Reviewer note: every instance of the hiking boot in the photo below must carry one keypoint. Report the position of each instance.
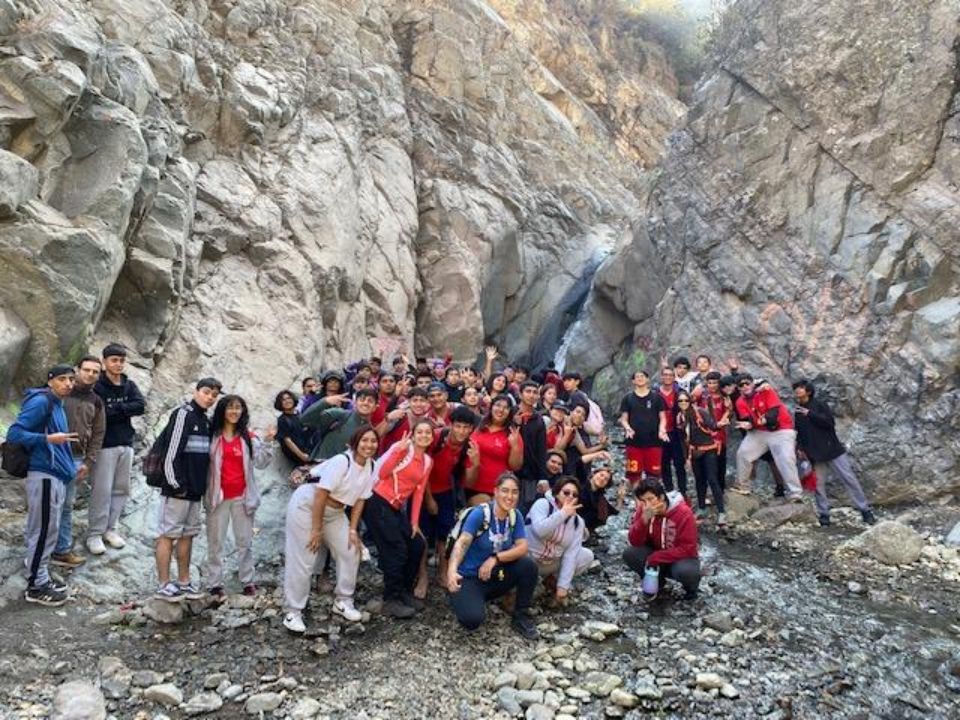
(113, 540)
(346, 610)
(868, 517)
(45, 595)
(524, 625)
(191, 591)
(398, 609)
(410, 600)
(171, 592)
(293, 621)
(824, 520)
(68, 559)
(95, 545)
(250, 589)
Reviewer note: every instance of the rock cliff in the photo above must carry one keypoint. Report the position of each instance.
(255, 188)
(806, 219)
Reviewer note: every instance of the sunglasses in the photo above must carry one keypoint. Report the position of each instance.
(683, 402)
(570, 493)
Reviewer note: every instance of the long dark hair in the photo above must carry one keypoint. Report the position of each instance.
(488, 417)
(220, 418)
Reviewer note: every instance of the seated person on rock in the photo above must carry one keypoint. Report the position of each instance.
(555, 536)
(489, 559)
(663, 535)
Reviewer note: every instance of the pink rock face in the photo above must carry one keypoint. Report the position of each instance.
(807, 219)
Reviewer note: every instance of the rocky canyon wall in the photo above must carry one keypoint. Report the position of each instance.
(806, 219)
(255, 188)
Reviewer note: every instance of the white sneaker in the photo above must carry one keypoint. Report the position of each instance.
(95, 545)
(114, 540)
(293, 621)
(346, 610)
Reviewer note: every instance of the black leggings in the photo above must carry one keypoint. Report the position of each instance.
(705, 472)
(469, 602)
(686, 571)
(397, 553)
(673, 455)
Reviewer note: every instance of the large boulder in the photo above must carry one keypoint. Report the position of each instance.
(78, 700)
(890, 542)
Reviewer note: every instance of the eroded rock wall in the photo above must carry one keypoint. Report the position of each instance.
(807, 220)
(254, 188)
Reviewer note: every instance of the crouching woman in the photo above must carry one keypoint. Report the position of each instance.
(489, 559)
(556, 537)
(663, 535)
(316, 521)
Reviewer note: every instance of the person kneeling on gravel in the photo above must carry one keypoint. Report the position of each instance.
(489, 559)
(556, 538)
(317, 522)
(663, 539)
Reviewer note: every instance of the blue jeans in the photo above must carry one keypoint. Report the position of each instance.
(65, 534)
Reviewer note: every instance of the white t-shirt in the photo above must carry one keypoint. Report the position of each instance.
(345, 484)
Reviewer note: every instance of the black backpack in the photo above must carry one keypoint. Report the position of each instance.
(16, 457)
(153, 460)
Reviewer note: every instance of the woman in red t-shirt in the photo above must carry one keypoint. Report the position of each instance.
(232, 494)
(500, 448)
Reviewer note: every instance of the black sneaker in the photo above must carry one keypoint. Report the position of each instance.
(690, 595)
(45, 595)
(868, 517)
(398, 609)
(525, 626)
(824, 520)
(58, 584)
(780, 491)
(411, 600)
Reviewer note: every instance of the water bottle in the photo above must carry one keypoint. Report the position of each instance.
(651, 581)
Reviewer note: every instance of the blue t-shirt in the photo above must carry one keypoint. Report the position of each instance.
(495, 539)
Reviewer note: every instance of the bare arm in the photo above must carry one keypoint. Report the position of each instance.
(298, 453)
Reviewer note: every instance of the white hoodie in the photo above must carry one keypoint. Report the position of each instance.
(553, 535)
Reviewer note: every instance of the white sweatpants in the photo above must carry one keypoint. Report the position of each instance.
(299, 562)
(782, 444)
(552, 567)
(229, 513)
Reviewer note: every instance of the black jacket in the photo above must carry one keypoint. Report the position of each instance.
(121, 402)
(534, 435)
(816, 433)
(187, 459)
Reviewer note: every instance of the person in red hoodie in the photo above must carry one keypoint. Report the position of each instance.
(769, 427)
(663, 534)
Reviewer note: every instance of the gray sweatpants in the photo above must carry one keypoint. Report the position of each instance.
(299, 561)
(109, 489)
(841, 468)
(782, 444)
(45, 495)
(227, 513)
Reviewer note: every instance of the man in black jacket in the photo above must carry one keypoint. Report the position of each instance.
(533, 431)
(185, 466)
(817, 440)
(110, 485)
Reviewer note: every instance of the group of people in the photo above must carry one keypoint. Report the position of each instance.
(501, 473)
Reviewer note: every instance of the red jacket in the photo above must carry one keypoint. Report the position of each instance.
(672, 536)
(765, 403)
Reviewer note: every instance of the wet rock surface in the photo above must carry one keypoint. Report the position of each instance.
(777, 633)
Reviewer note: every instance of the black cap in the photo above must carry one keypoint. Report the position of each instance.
(437, 387)
(61, 369)
(560, 405)
(114, 350)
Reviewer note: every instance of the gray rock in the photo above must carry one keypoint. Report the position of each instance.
(262, 702)
(539, 712)
(529, 697)
(305, 709)
(624, 699)
(709, 681)
(203, 703)
(507, 701)
(601, 684)
(146, 678)
(18, 183)
(953, 538)
(164, 694)
(646, 690)
(231, 692)
(889, 541)
(213, 680)
(719, 621)
(776, 515)
(729, 691)
(78, 700)
(504, 679)
(161, 611)
(740, 507)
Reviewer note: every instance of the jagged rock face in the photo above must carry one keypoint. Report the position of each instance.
(807, 218)
(254, 189)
